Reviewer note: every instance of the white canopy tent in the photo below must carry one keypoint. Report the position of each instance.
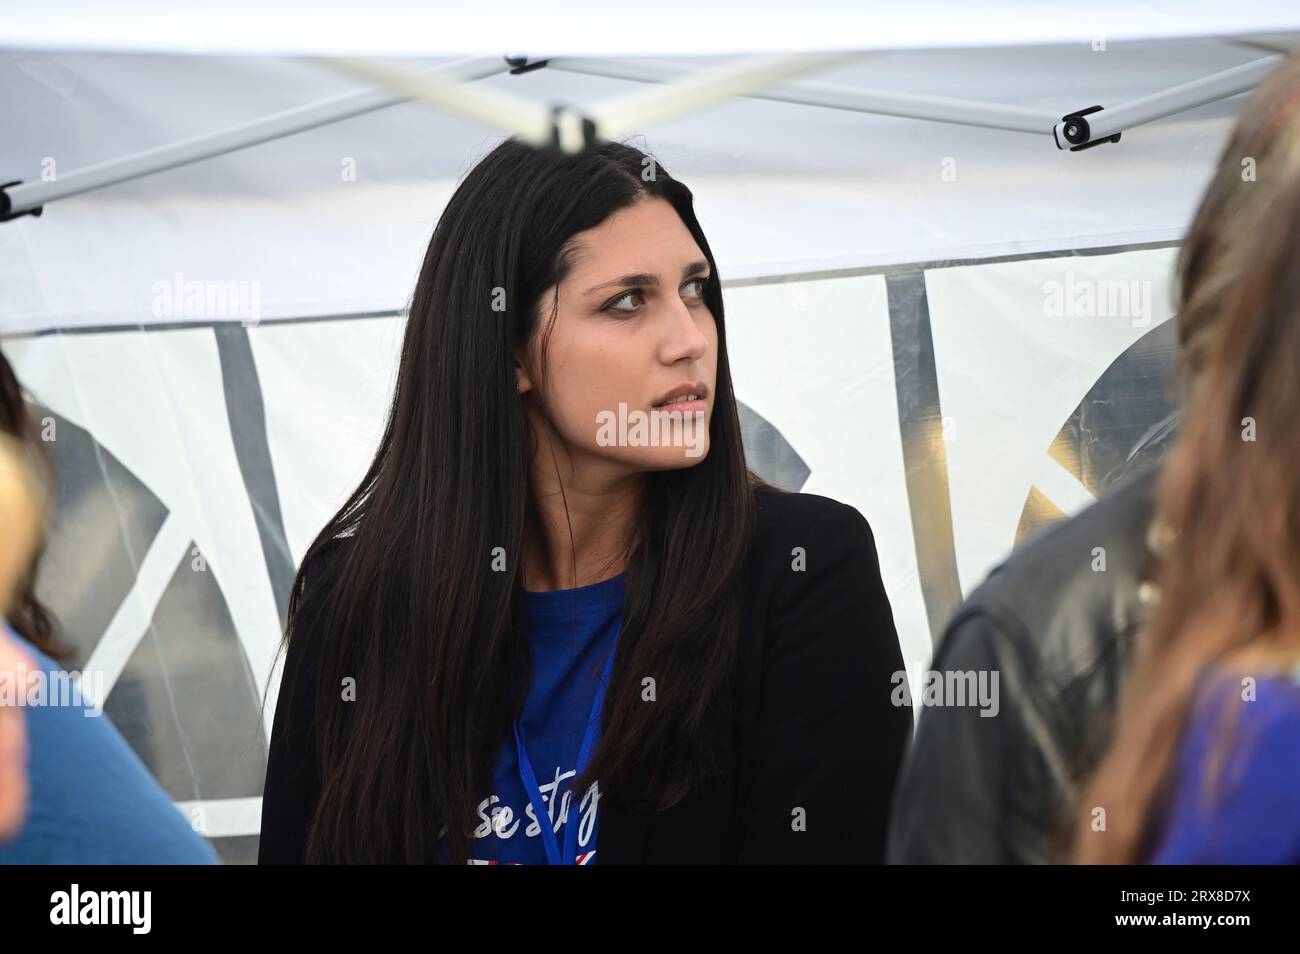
(227, 123)
(234, 207)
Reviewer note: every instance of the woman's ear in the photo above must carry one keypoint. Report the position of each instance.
(523, 382)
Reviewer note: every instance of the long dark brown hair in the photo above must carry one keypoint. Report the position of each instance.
(414, 611)
(28, 615)
(1229, 497)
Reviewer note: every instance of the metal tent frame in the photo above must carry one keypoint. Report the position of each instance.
(679, 90)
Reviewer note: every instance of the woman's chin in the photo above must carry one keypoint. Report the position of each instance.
(671, 458)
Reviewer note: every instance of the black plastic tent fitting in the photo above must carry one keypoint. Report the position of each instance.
(6, 204)
(520, 64)
(1077, 131)
(588, 128)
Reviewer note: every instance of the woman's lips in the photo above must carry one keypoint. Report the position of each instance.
(686, 407)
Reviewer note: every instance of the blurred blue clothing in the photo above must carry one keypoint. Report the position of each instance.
(92, 799)
(1252, 813)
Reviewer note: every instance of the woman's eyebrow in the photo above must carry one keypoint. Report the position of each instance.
(643, 278)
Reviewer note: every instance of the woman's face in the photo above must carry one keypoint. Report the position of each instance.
(14, 664)
(632, 332)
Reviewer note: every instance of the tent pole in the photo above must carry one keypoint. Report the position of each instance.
(611, 118)
(840, 96)
(29, 197)
(571, 128)
(524, 118)
(620, 115)
(1106, 123)
(564, 127)
(1103, 124)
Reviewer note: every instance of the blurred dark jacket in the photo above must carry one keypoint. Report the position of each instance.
(1060, 633)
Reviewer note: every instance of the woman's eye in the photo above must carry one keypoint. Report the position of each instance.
(622, 298)
(616, 306)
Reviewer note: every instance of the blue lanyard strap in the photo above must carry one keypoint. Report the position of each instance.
(534, 791)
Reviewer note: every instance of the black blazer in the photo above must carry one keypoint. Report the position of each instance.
(813, 725)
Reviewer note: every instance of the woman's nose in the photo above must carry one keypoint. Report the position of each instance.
(684, 338)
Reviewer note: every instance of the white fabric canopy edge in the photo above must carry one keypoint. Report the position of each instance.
(593, 27)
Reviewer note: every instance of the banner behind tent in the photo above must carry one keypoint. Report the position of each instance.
(959, 406)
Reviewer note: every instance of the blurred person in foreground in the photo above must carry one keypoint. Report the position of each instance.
(1061, 634)
(89, 799)
(1204, 762)
(19, 529)
(27, 615)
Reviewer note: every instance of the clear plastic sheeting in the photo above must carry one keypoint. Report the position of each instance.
(948, 402)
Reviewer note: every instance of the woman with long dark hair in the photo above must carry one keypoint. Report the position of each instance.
(559, 620)
(1204, 766)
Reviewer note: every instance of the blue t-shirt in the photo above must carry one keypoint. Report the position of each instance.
(1252, 814)
(92, 801)
(570, 633)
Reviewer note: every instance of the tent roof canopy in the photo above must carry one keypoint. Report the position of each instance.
(675, 91)
(598, 28)
(816, 173)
